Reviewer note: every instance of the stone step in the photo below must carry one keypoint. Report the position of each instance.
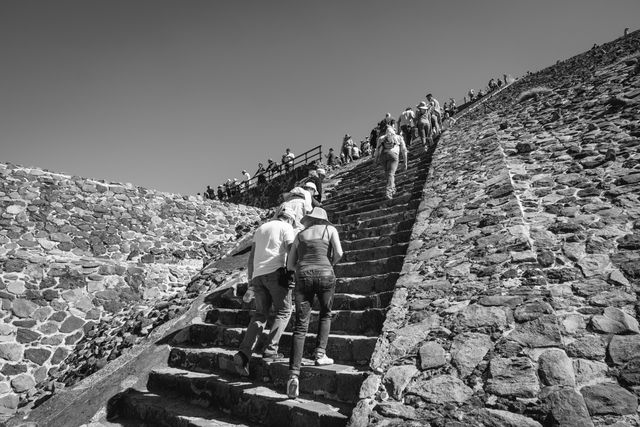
(143, 408)
(367, 268)
(256, 403)
(382, 230)
(405, 207)
(343, 300)
(335, 382)
(374, 253)
(347, 349)
(361, 302)
(376, 222)
(365, 172)
(376, 203)
(362, 172)
(355, 197)
(349, 322)
(373, 242)
(377, 283)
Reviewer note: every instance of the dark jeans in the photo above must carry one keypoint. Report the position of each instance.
(268, 291)
(407, 133)
(309, 284)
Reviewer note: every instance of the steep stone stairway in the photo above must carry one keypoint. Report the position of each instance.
(200, 386)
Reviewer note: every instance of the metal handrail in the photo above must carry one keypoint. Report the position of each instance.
(279, 169)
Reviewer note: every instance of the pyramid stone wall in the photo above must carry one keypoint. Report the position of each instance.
(518, 302)
(89, 267)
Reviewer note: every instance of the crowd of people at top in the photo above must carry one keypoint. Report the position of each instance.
(427, 119)
(232, 187)
(493, 85)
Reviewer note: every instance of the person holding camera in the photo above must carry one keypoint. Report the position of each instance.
(269, 280)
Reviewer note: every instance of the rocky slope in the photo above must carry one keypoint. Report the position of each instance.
(90, 267)
(517, 303)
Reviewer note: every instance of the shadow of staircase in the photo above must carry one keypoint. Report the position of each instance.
(199, 385)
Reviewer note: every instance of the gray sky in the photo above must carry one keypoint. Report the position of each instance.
(175, 95)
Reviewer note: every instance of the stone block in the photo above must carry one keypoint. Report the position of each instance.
(432, 355)
(615, 321)
(609, 398)
(624, 348)
(467, 350)
(22, 382)
(555, 368)
(479, 316)
(397, 378)
(23, 308)
(565, 407)
(441, 389)
(11, 351)
(589, 370)
(542, 332)
(512, 377)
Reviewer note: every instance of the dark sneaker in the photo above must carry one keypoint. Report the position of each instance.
(293, 387)
(272, 357)
(241, 364)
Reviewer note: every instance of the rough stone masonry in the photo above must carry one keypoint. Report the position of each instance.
(88, 268)
(518, 302)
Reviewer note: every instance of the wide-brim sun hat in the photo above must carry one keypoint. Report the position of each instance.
(311, 185)
(422, 105)
(286, 211)
(317, 215)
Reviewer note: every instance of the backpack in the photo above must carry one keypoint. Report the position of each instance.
(389, 144)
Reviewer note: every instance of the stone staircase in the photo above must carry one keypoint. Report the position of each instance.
(200, 386)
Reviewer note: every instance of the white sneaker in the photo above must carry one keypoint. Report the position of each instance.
(293, 387)
(323, 360)
(249, 295)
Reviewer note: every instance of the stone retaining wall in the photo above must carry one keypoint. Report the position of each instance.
(517, 303)
(89, 268)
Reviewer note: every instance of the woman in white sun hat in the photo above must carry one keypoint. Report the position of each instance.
(314, 252)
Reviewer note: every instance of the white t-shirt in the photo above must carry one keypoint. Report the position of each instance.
(271, 240)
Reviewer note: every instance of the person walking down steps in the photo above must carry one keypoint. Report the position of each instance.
(391, 150)
(268, 278)
(314, 252)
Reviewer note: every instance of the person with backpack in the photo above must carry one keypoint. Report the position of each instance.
(391, 150)
(423, 123)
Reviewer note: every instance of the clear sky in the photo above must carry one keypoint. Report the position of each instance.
(175, 95)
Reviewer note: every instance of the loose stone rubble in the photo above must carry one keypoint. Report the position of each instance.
(90, 267)
(525, 261)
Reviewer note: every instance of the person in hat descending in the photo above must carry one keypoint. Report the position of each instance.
(271, 243)
(314, 252)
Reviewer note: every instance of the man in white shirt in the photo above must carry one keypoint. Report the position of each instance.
(271, 243)
(406, 123)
